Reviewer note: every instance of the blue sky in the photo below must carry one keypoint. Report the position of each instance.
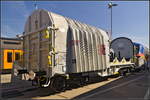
(130, 18)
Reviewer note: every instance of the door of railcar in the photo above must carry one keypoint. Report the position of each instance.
(8, 59)
(10, 56)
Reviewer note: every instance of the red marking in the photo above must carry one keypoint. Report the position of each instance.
(140, 55)
(101, 49)
(74, 42)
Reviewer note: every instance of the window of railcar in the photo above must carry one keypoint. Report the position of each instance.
(136, 49)
(17, 56)
(9, 57)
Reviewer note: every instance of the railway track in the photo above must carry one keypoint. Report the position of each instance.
(21, 88)
(26, 90)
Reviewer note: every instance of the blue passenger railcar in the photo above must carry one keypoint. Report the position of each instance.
(139, 50)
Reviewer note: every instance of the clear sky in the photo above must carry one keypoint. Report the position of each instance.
(130, 18)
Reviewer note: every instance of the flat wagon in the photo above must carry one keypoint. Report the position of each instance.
(131, 53)
(122, 57)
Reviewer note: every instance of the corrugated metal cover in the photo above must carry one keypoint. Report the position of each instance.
(80, 47)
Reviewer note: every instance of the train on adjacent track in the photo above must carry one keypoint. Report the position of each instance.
(10, 51)
(124, 49)
(57, 49)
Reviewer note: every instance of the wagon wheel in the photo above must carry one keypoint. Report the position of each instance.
(122, 73)
(42, 81)
(58, 83)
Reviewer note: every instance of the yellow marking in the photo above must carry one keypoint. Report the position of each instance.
(115, 61)
(49, 60)
(116, 73)
(47, 34)
(123, 60)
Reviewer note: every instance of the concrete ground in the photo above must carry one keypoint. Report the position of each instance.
(134, 86)
(16, 89)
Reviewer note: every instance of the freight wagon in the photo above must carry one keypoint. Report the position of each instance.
(122, 55)
(11, 50)
(131, 52)
(58, 49)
